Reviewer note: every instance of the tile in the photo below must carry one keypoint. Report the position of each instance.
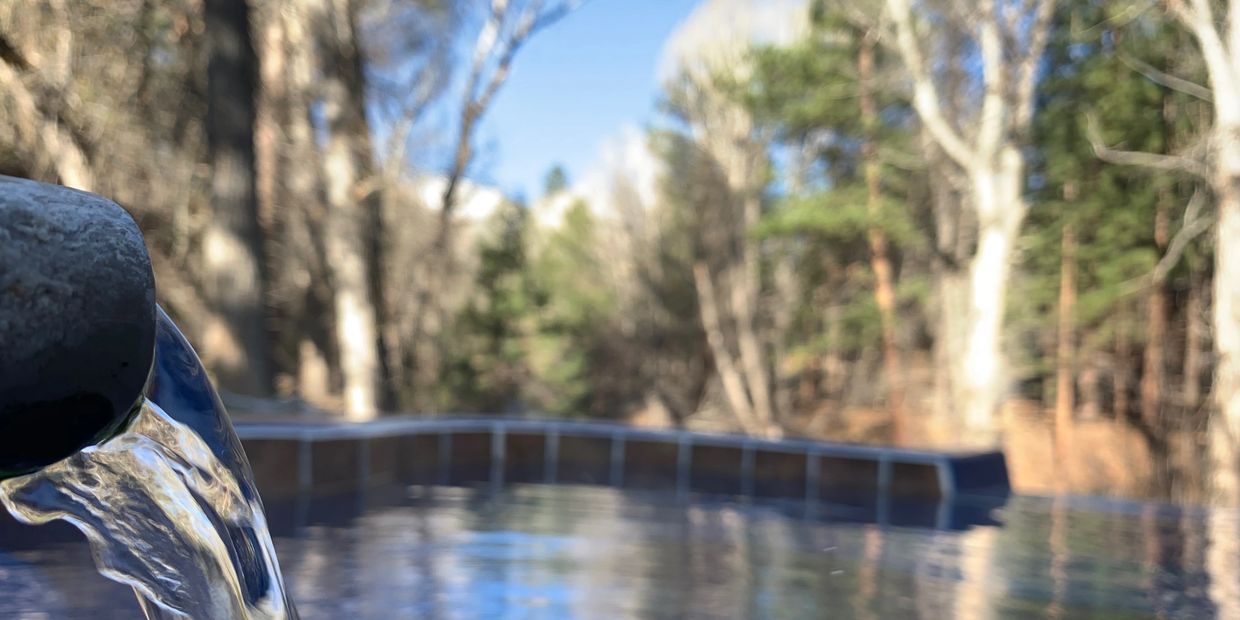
(584, 460)
(524, 457)
(838, 474)
(778, 474)
(650, 465)
(915, 480)
(418, 458)
(384, 455)
(335, 465)
(275, 464)
(471, 458)
(715, 470)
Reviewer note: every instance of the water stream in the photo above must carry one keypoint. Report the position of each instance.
(164, 516)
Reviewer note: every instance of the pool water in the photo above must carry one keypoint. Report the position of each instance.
(589, 552)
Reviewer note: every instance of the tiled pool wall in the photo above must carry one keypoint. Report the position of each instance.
(292, 459)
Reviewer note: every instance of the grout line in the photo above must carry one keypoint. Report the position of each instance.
(551, 455)
(617, 460)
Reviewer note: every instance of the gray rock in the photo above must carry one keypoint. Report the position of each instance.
(77, 320)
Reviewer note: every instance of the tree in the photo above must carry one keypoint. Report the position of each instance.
(719, 203)
(568, 352)
(1104, 225)
(489, 367)
(556, 181)
(798, 89)
(507, 27)
(1009, 41)
(236, 342)
(1221, 50)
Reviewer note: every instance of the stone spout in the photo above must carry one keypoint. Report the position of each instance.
(77, 322)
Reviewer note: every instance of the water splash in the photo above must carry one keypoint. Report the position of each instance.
(164, 516)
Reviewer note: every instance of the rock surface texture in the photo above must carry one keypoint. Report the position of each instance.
(77, 321)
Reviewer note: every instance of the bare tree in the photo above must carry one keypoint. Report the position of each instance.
(43, 116)
(348, 161)
(1009, 39)
(236, 342)
(508, 26)
(1220, 47)
(727, 269)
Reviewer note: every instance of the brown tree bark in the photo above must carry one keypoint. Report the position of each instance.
(1153, 372)
(1121, 377)
(880, 264)
(1194, 337)
(236, 345)
(318, 358)
(1065, 402)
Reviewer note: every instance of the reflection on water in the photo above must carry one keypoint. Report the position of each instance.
(575, 552)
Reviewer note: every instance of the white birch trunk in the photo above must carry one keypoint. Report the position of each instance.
(344, 241)
(355, 313)
(1000, 210)
(1225, 426)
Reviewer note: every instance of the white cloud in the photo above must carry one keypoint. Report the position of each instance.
(624, 156)
(717, 33)
(474, 202)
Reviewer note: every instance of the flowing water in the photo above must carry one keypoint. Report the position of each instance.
(164, 516)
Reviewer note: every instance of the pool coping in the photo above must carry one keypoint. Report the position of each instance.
(955, 472)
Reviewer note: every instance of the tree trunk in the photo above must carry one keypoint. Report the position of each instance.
(833, 361)
(346, 234)
(35, 111)
(1194, 336)
(1087, 384)
(272, 116)
(1065, 405)
(1225, 424)
(1153, 372)
(787, 294)
(951, 293)
(367, 191)
(1153, 366)
(884, 290)
(236, 342)
(744, 297)
(729, 375)
(1120, 377)
(1000, 208)
(1224, 427)
(305, 212)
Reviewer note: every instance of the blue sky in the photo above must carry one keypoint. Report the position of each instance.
(573, 85)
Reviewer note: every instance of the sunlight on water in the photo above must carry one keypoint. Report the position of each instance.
(164, 516)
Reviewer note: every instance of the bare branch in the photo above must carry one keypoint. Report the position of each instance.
(994, 82)
(43, 107)
(1171, 163)
(1194, 224)
(1161, 78)
(925, 95)
(1027, 78)
(1199, 18)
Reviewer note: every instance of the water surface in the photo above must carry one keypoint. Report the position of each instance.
(581, 552)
